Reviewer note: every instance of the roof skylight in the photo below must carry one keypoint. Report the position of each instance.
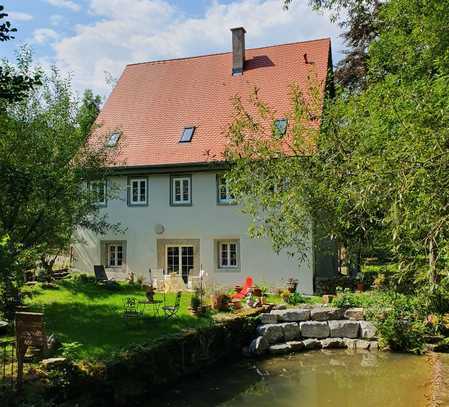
(187, 134)
(280, 127)
(113, 139)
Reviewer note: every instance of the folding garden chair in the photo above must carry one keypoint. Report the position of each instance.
(172, 310)
(131, 310)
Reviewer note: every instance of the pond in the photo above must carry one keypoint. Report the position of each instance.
(321, 378)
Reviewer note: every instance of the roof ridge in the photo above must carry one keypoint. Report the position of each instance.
(161, 61)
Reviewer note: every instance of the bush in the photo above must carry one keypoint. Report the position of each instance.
(83, 278)
(400, 320)
(294, 299)
(347, 299)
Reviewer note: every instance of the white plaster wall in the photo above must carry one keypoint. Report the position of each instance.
(204, 220)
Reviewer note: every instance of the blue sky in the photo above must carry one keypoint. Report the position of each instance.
(88, 38)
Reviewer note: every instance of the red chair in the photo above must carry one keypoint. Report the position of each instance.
(245, 290)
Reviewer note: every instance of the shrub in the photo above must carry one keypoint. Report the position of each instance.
(83, 278)
(400, 322)
(347, 299)
(70, 350)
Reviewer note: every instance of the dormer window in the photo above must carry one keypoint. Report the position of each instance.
(113, 139)
(280, 127)
(187, 134)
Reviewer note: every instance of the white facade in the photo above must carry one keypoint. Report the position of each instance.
(202, 225)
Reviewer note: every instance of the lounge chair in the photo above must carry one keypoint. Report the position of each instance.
(171, 310)
(101, 277)
(245, 290)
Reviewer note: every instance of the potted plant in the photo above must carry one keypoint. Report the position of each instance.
(220, 300)
(195, 304)
(256, 291)
(359, 284)
(292, 285)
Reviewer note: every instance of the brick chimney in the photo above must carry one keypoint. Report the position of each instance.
(238, 50)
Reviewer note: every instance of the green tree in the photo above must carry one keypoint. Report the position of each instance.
(45, 169)
(88, 112)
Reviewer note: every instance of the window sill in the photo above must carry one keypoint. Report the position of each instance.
(228, 270)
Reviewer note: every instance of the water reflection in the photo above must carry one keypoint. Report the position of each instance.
(327, 378)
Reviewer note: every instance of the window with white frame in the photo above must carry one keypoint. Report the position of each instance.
(138, 191)
(223, 190)
(98, 190)
(181, 190)
(115, 255)
(228, 254)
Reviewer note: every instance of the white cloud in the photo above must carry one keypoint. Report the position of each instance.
(141, 30)
(43, 35)
(56, 19)
(19, 16)
(71, 5)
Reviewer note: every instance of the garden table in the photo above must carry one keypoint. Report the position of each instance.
(156, 304)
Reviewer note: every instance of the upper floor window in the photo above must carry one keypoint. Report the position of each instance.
(280, 128)
(138, 194)
(187, 134)
(224, 195)
(228, 254)
(98, 190)
(181, 190)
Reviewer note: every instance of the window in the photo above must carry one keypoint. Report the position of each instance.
(115, 255)
(228, 254)
(113, 139)
(98, 190)
(138, 191)
(280, 127)
(181, 190)
(224, 195)
(187, 134)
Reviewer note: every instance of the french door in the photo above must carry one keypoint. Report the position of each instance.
(179, 259)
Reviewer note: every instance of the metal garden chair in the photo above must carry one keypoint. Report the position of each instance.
(131, 310)
(172, 310)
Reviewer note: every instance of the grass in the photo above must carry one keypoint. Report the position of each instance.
(91, 316)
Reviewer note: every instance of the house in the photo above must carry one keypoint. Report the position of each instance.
(169, 119)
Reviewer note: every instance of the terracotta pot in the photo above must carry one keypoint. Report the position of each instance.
(257, 292)
(360, 287)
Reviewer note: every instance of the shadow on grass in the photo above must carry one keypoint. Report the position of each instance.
(102, 331)
(96, 290)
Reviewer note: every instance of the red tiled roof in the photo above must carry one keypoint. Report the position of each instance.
(153, 101)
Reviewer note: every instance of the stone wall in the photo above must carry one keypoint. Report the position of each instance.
(284, 331)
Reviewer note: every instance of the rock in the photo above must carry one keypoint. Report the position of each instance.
(344, 329)
(373, 345)
(280, 349)
(367, 330)
(325, 313)
(273, 333)
(268, 318)
(314, 329)
(333, 343)
(292, 314)
(350, 343)
(355, 314)
(291, 330)
(362, 344)
(296, 346)
(310, 344)
(279, 307)
(259, 346)
(53, 363)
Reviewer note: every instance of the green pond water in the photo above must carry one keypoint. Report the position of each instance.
(337, 378)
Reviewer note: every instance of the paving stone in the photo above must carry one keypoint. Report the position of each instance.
(355, 314)
(280, 349)
(344, 329)
(291, 330)
(325, 313)
(292, 314)
(259, 346)
(296, 346)
(310, 344)
(333, 343)
(314, 329)
(268, 318)
(367, 330)
(273, 333)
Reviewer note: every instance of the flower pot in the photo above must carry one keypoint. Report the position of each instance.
(257, 292)
(360, 286)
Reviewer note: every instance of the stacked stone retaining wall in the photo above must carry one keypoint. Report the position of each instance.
(297, 329)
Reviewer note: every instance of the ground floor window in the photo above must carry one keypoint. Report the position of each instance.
(180, 260)
(115, 255)
(228, 254)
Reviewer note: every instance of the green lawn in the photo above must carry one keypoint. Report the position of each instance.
(92, 316)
